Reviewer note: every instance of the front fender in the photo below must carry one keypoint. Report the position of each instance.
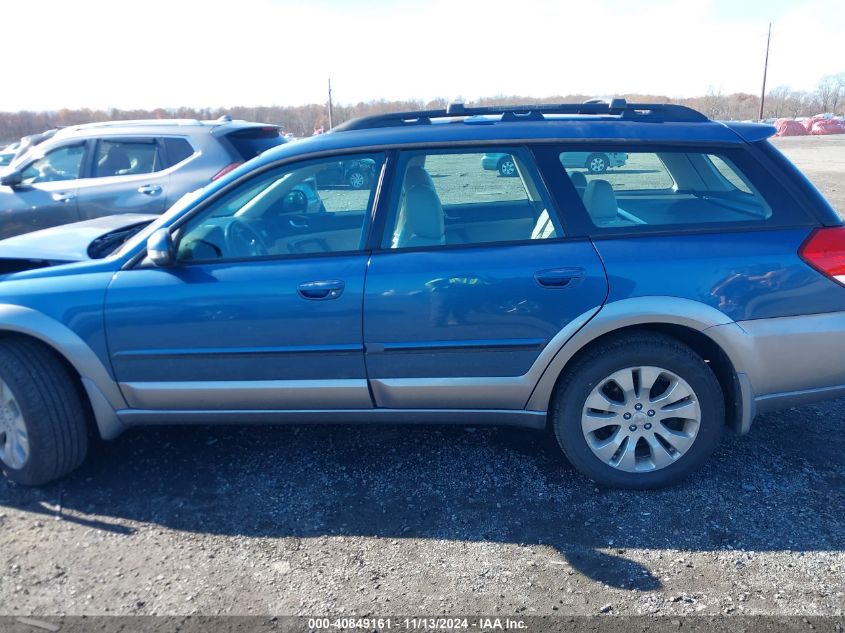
(103, 392)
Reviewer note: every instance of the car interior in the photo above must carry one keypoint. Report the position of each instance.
(704, 186)
(426, 218)
(283, 215)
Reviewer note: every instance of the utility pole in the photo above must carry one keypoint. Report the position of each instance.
(765, 71)
(330, 103)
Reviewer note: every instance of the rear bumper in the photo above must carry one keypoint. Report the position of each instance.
(491, 162)
(789, 361)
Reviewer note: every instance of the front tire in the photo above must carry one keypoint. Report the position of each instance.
(640, 411)
(43, 433)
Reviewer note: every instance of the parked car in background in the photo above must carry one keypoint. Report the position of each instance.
(635, 316)
(7, 154)
(355, 174)
(143, 166)
(25, 145)
(593, 162)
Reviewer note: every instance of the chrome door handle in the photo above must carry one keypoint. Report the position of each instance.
(298, 225)
(63, 196)
(317, 290)
(559, 277)
(150, 190)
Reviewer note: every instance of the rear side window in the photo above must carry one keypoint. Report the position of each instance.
(253, 141)
(631, 191)
(451, 198)
(126, 158)
(177, 150)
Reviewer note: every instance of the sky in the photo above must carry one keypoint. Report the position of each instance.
(170, 53)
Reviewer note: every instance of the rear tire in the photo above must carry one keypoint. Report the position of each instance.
(41, 404)
(356, 179)
(664, 417)
(597, 163)
(506, 167)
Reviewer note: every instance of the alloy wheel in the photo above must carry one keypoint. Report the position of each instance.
(14, 438)
(641, 419)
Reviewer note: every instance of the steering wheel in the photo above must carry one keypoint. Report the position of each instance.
(243, 241)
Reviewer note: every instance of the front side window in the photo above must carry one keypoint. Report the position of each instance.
(62, 163)
(636, 190)
(450, 198)
(126, 158)
(291, 211)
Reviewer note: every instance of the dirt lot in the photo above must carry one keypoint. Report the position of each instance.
(822, 159)
(407, 521)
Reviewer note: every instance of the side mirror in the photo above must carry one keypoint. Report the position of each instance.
(12, 179)
(160, 249)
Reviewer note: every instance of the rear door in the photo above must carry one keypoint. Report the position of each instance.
(475, 281)
(126, 175)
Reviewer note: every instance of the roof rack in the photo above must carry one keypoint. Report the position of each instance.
(652, 112)
(137, 122)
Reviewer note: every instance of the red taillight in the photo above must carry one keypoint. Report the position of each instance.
(226, 170)
(824, 250)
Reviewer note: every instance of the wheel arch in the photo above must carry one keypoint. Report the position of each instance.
(103, 395)
(707, 331)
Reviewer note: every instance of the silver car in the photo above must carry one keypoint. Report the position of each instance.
(98, 169)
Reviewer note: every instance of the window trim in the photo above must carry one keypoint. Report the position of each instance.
(389, 204)
(563, 189)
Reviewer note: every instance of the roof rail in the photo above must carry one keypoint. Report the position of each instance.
(137, 122)
(653, 112)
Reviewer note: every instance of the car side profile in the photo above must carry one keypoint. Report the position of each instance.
(593, 162)
(88, 171)
(636, 313)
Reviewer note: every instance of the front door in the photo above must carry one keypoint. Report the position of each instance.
(475, 282)
(47, 193)
(262, 310)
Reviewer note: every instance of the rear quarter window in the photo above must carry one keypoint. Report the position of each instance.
(177, 150)
(668, 187)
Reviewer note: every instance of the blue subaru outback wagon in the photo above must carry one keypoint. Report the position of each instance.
(636, 313)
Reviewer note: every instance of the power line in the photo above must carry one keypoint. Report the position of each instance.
(765, 72)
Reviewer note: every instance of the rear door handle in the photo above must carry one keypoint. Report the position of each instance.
(150, 190)
(63, 196)
(559, 277)
(317, 290)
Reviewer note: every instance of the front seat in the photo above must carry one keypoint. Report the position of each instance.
(416, 175)
(601, 203)
(423, 222)
(116, 160)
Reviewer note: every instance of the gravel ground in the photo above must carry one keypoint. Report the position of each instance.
(380, 520)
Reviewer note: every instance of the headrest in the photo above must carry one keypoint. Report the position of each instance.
(424, 213)
(600, 200)
(415, 176)
(578, 179)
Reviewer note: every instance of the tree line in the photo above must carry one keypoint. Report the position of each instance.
(303, 120)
